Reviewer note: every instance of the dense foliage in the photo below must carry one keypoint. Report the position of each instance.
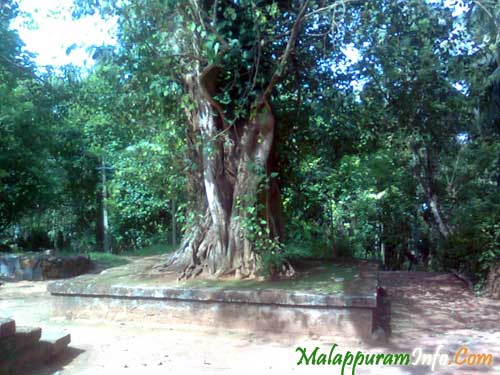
(387, 139)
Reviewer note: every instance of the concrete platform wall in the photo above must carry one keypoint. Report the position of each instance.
(323, 321)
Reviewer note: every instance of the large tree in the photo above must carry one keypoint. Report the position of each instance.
(26, 125)
(231, 130)
(228, 60)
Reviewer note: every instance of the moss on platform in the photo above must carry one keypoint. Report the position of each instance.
(329, 278)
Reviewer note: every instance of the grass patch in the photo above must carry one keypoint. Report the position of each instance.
(107, 260)
(298, 251)
(329, 278)
(158, 249)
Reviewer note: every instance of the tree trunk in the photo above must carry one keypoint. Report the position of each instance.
(174, 222)
(102, 227)
(105, 223)
(437, 214)
(235, 168)
(493, 281)
(424, 167)
(382, 244)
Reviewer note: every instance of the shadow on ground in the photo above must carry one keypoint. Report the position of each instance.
(57, 365)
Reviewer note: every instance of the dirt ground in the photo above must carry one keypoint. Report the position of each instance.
(427, 310)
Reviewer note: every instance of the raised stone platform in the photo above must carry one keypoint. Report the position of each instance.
(324, 300)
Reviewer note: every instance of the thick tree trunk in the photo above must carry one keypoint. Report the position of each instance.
(235, 165)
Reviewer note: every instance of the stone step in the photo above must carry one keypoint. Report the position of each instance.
(28, 357)
(24, 337)
(50, 345)
(7, 327)
(56, 341)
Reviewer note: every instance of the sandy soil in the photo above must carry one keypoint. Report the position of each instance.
(427, 310)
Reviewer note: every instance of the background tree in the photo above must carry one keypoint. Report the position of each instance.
(26, 153)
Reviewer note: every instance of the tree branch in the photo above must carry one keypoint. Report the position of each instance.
(329, 7)
(288, 50)
(488, 13)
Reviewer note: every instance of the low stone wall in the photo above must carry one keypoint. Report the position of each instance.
(259, 317)
(42, 267)
(118, 297)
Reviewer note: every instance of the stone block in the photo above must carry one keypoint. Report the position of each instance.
(7, 327)
(56, 341)
(23, 337)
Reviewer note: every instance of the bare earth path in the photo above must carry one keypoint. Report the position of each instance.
(427, 310)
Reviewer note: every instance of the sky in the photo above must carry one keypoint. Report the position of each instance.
(51, 31)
